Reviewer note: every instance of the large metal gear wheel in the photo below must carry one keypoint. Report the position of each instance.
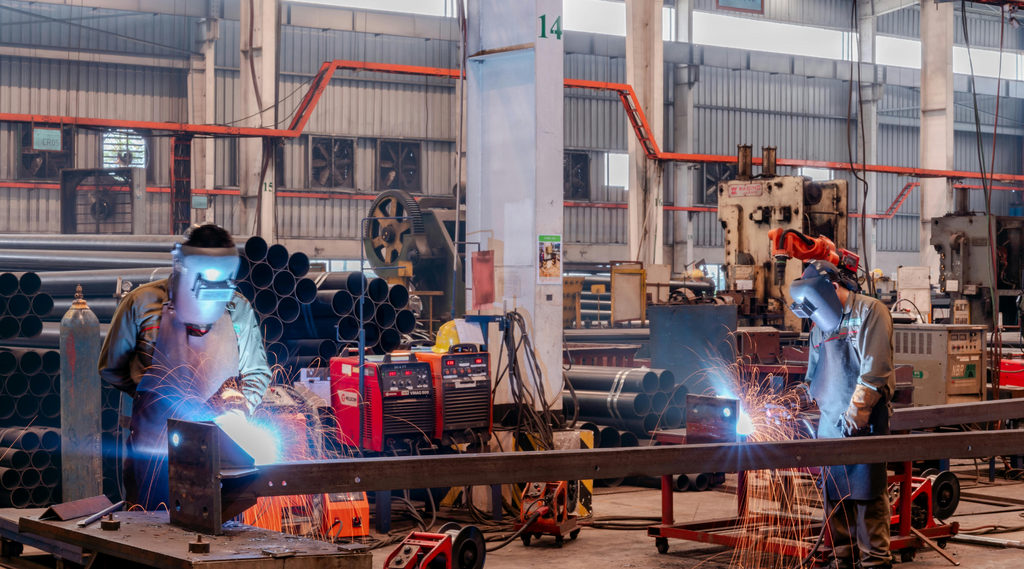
(385, 235)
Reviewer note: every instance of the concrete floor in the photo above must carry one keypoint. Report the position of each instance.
(597, 548)
(606, 548)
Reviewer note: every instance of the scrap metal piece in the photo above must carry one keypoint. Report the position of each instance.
(76, 508)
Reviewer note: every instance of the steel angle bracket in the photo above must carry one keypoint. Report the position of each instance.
(203, 463)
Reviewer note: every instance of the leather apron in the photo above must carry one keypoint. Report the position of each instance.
(186, 371)
(835, 379)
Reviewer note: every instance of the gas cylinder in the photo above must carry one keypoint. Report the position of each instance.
(81, 402)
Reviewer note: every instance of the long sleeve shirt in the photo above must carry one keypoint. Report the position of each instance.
(127, 351)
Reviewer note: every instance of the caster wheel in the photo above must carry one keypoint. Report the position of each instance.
(662, 544)
(907, 555)
(574, 534)
(526, 540)
(942, 543)
(559, 540)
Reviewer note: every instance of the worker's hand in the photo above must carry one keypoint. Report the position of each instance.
(859, 412)
(230, 400)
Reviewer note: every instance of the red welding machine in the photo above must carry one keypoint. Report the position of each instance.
(462, 391)
(397, 402)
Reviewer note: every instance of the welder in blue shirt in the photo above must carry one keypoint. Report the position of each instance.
(851, 376)
(186, 347)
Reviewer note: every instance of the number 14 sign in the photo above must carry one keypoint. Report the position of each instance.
(555, 29)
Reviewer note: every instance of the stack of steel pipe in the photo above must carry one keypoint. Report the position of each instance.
(30, 472)
(682, 482)
(637, 400)
(22, 305)
(350, 302)
(306, 321)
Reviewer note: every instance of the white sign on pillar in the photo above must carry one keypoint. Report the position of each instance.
(514, 149)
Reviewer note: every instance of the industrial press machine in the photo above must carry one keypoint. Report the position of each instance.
(748, 208)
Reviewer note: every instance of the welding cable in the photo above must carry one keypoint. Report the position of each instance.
(511, 538)
(415, 448)
(911, 302)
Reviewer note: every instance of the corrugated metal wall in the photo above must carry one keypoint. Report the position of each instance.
(802, 117)
(177, 32)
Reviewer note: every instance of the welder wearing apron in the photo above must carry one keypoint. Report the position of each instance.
(850, 374)
(176, 345)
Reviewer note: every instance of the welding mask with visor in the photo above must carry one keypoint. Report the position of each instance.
(815, 297)
(202, 282)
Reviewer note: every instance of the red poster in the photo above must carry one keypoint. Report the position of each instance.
(483, 279)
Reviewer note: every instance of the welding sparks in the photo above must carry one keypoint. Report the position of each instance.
(255, 439)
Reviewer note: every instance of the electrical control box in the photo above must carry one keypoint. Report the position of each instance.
(462, 390)
(396, 404)
(949, 361)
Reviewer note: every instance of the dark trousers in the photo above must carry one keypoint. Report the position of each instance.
(860, 523)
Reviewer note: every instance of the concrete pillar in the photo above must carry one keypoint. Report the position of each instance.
(936, 119)
(645, 71)
(259, 58)
(867, 136)
(514, 164)
(203, 91)
(684, 77)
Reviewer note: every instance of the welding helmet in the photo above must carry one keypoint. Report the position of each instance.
(447, 336)
(202, 280)
(814, 296)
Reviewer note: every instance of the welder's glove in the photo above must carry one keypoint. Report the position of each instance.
(859, 412)
(229, 400)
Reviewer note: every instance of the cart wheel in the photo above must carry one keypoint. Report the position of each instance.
(907, 555)
(574, 534)
(526, 540)
(942, 543)
(538, 535)
(662, 544)
(559, 540)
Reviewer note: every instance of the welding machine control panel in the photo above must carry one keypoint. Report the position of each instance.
(473, 365)
(405, 379)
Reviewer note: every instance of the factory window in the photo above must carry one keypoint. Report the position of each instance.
(576, 175)
(398, 165)
(42, 155)
(904, 52)
(122, 149)
(817, 174)
(331, 162)
(616, 170)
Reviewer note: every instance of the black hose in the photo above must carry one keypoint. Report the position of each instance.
(511, 538)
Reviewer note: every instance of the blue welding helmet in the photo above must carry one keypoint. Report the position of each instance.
(814, 296)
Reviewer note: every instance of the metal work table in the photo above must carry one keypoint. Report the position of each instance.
(148, 538)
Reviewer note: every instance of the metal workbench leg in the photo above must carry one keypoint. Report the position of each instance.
(667, 513)
(992, 469)
(382, 511)
(906, 498)
(496, 502)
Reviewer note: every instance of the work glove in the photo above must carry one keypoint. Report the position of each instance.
(859, 412)
(229, 399)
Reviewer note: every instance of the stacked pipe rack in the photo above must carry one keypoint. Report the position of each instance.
(30, 472)
(636, 400)
(306, 321)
